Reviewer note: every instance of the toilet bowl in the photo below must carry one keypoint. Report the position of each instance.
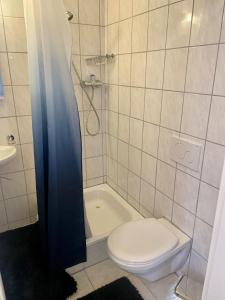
(150, 248)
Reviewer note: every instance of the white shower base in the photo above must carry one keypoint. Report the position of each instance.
(105, 210)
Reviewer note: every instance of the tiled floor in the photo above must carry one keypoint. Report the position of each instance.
(106, 272)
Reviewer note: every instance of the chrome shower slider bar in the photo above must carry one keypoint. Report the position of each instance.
(101, 59)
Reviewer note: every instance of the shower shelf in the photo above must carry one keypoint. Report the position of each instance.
(101, 59)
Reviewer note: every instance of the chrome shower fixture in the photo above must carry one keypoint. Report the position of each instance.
(70, 15)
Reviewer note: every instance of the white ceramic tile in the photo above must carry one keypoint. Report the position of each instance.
(8, 126)
(124, 69)
(125, 9)
(113, 11)
(76, 38)
(147, 196)
(163, 206)
(164, 152)
(134, 183)
(32, 200)
(135, 160)
(197, 268)
(93, 145)
(150, 138)
(19, 68)
(14, 185)
(112, 169)
(124, 100)
(157, 3)
(179, 24)
(201, 67)
(123, 153)
(124, 128)
(140, 286)
(122, 177)
(219, 88)
(171, 110)
(15, 34)
(83, 284)
(137, 103)
(89, 12)
(111, 147)
(157, 29)
(139, 33)
(5, 75)
(13, 8)
(28, 156)
(3, 218)
(183, 219)
(112, 101)
(175, 69)
(223, 31)
(195, 115)
(155, 69)
(202, 238)
(165, 179)
(194, 289)
(94, 167)
(17, 209)
(136, 127)
(90, 40)
(213, 164)
(2, 36)
(112, 38)
(206, 22)
(207, 203)
(25, 129)
(216, 129)
(22, 100)
(125, 36)
(113, 123)
(148, 168)
(30, 181)
(186, 191)
(138, 69)
(7, 108)
(140, 6)
(152, 111)
(1, 195)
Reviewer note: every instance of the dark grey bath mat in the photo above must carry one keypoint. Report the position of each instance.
(120, 289)
(23, 270)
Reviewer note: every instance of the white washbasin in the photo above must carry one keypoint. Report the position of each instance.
(6, 154)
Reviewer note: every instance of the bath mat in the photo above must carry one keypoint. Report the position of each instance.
(120, 289)
(23, 271)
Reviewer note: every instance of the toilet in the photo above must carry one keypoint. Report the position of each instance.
(150, 248)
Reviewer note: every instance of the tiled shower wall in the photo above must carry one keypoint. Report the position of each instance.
(17, 192)
(168, 79)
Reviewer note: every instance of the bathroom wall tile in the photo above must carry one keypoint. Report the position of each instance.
(111, 147)
(17, 209)
(112, 168)
(113, 11)
(124, 100)
(125, 9)
(113, 98)
(32, 201)
(2, 35)
(28, 156)
(207, 25)
(18, 62)
(157, 3)
(172, 103)
(155, 68)
(133, 202)
(12, 8)
(148, 168)
(125, 36)
(76, 38)
(93, 145)
(72, 5)
(136, 128)
(213, 164)
(157, 28)
(179, 24)
(7, 108)
(216, 129)
(147, 196)
(163, 206)
(113, 123)
(183, 219)
(3, 217)
(138, 67)
(140, 6)
(197, 267)
(94, 167)
(222, 38)
(25, 129)
(175, 69)
(137, 103)
(139, 33)
(124, 128)
(22, 100)
(186, 191)
(122, 177)
(85, 16)
(164, 152)
(1, 195)
(150, 138)
(15, 34)
(112, 38)
(135, 160)
(124, 69)
(152, 111)
(201, 68)
(90, 40)
(202, 238)
(30, 181)
(165, 179)
(123, 153)
(14, 185)
(5, 69)
(134, 183)
(207, 203)
(219, 88)
(8, 126)
(195, 115)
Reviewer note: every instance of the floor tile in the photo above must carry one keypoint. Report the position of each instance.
(143, 290)
(83, 284)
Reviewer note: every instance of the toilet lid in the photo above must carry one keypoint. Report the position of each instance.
(141, 241)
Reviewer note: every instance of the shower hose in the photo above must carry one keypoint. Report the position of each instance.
(91, 105)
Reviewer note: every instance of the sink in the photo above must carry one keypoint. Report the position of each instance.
(6, 154)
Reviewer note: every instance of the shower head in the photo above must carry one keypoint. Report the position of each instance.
(70, 15)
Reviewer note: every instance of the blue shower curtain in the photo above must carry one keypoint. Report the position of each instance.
(56, 130)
